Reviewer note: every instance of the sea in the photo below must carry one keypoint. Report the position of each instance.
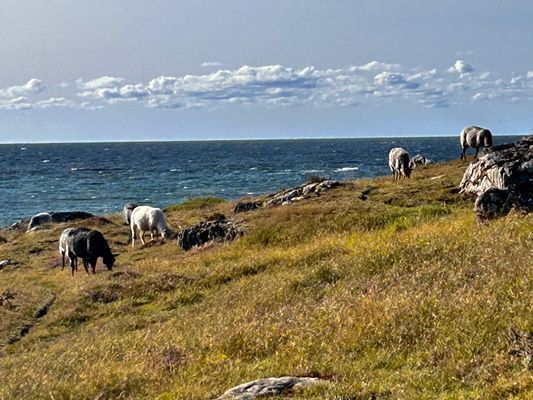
(101, 177)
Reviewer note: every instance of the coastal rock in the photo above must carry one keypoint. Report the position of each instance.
(418, 160)
(39, 219)
(245, 206)
(286, 197)
(66, 216)
(62, 216)
(502, 179)
(218, 230)
(268, 387)
(126, 212)
(492, 203)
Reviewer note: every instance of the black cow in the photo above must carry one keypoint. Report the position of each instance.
(88, 245)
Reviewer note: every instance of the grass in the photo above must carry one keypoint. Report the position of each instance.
(389, 290)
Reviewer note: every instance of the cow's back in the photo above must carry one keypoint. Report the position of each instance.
(97, 245)
(474, 136)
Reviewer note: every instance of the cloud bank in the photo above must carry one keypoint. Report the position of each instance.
(277, 86)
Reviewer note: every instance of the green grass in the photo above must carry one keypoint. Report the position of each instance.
(398, 294)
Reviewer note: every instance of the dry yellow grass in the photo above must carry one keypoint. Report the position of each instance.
(399, 295)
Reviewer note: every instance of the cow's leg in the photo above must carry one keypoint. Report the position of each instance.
(463, 154)
(142, 237)
(477, 151)
(132, 236)
(86, 266)
(73, 263)
(63, 260)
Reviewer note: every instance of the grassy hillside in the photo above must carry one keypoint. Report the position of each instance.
(389, 290)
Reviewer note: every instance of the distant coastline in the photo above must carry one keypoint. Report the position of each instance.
(255, 139)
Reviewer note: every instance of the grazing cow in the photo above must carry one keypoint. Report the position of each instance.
(88, 245)
(475, 137)
(148, 219)
(399, 163)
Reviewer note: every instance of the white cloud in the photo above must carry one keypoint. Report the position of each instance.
(210, 64)
(278, 86)
(18, 103)
(100, 83)
(162, 85)
(33, 86)
(461, 67)
(53, 102)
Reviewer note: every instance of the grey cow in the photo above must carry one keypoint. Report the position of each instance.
(475, 137)
(399, 163)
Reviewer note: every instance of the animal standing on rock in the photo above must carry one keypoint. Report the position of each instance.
(399, 163)
(475, 137)
(149, 219)
(88, 245)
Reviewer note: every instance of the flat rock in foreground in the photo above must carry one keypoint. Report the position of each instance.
(268, 387)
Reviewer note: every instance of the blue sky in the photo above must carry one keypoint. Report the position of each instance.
(171, 70)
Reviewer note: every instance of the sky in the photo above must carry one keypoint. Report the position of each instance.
(122, 70)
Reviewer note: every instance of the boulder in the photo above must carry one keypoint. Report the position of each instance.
(214, 230)
(66, 216)
(39, 219)
(302, 192)
(4, 263)
(502, 179)
(36, 222)
(126, 212)
(245, 206)
(492, 203)
(417, 160)
(268, 387)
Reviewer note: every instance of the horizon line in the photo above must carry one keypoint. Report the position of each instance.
(245, 139)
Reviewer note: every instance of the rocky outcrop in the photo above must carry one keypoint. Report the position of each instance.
(215, 230)
(299, 193)
(502, 179)
(40, 219)
(268, 387)
(245, 206)
(288, 196)
(418, 160)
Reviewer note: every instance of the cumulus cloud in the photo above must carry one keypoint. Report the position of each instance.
(33, 86)
(372, 83)
(54, 102)
(18, 103)
(100, 83)
(461, 67)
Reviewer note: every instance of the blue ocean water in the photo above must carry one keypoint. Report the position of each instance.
(101, 177)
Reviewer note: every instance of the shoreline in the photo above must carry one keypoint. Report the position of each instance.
(240, 140)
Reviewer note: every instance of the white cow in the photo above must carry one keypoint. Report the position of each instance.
(148, 219)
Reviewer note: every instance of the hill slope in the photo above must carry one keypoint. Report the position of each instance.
(386, 289)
